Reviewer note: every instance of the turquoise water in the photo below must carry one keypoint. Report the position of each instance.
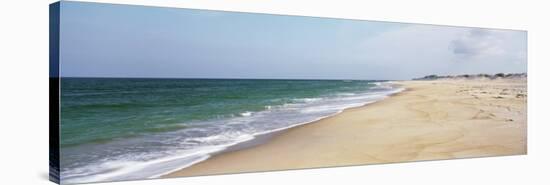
(108, 125)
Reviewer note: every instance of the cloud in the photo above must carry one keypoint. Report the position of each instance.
(478, 43)
(419, 50)
(410, 51)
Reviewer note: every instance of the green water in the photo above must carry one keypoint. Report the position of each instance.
(99, 110)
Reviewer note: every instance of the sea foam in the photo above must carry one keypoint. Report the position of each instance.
(152, 156)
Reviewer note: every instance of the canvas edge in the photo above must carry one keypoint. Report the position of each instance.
(54, 33)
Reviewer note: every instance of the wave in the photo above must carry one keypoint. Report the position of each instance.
(155, 155)
(246, 114)
(307, 100)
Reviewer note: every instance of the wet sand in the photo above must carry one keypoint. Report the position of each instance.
(430, 120)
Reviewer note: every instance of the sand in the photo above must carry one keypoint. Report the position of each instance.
(430, 120)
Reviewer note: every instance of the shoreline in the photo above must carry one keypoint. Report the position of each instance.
(339, 140)
(265, 137)
(295, 113)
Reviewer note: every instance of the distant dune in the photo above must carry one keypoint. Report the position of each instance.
(476, 76)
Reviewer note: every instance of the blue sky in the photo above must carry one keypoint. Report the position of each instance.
(103, 40)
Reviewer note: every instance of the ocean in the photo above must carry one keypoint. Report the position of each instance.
(132, 128)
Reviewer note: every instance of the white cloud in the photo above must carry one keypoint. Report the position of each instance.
(419, 50)
(483, 43)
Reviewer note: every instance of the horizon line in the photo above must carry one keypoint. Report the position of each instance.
(225, 78)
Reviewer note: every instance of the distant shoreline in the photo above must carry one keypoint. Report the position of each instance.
(475, 76)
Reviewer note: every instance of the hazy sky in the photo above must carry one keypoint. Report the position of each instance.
(101, 40)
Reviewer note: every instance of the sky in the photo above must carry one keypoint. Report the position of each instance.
(106, 40)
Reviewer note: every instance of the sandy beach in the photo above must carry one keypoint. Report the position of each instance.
(430, 120)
